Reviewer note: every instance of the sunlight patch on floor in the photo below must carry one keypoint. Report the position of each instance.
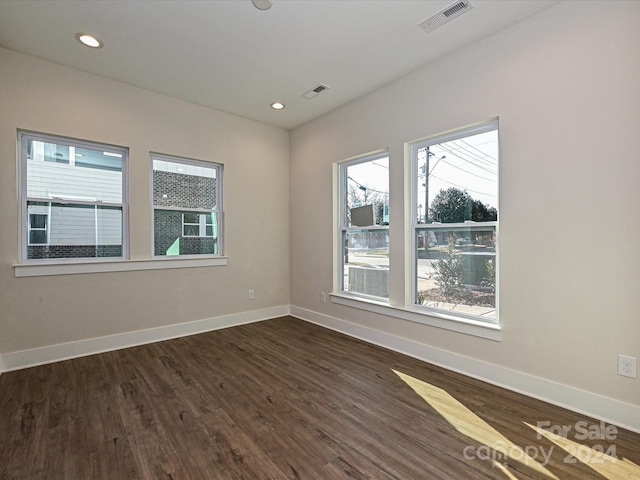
(609, 467)
(469, 424)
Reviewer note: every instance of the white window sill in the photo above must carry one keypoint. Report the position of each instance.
(101, 266)
(477, 328)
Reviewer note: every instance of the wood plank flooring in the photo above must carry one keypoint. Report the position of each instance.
(282, 399)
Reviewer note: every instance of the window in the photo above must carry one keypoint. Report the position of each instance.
(187, 210)
(73, 198)
(363, 227)
(197, 225)
(455, 219)
(37, 229)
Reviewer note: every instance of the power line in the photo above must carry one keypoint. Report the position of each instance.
(457, 153)
(368, 188)
(468, 172)
(464, 188)
(469, 153)
(476, 148)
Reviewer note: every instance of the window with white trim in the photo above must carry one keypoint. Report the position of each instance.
(197, 225)
(187, 199)
(72, 198)
(38, 229)
(455, 221)
(363, 230)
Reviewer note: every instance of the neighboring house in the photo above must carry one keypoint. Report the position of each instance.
(184, 232)
(75, 202)
(75, 206)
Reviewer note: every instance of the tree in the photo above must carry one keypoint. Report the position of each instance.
(456, 206)
(481, 212)
(449, 269)
(451, 206)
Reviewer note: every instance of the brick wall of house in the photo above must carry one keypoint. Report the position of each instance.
(189, 191)
(179, 190)
(170, 190)
(35, 252)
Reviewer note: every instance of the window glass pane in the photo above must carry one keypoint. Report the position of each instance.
(458, 180)
(37, 237)
(172, 236)
(367, 193)
(191, 230)
(366, 262)
(98, 160)
(68, 180)
(365, 251)
(76, 231)
(184, 185)
(185, 198)
(53, 153)
(456, 214)
(38, 221)
(456, 269)
(191, 218)
(74, 193)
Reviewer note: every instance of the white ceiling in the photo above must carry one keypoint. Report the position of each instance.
(230, 56)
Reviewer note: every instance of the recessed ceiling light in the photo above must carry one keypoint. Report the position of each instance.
(277, 105)
(262, 4)
(89, 40)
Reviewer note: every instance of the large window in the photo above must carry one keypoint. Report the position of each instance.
(187, 214)
(363, 227)
(73, 199)
(455, 218)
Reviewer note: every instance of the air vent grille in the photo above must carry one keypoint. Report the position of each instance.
(315, 91)
(445, 15)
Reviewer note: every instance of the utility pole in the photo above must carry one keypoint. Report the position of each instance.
(426, 187)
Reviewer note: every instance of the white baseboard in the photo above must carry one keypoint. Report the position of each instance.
(590, 404)
(593, 405)
(81, 348)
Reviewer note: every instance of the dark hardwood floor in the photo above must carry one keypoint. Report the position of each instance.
(283, 399)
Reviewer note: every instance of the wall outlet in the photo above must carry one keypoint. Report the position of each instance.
(627, 366)
(251, 295)
(323, 297)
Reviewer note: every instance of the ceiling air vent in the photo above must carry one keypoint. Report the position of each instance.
(314, 92)
(445, 15)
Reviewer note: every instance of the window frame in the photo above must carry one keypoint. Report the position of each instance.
(414, 226)
(342, 227)
(401, 304)
(31, 228)
(218, 210)
(23, 157)
(202, 225)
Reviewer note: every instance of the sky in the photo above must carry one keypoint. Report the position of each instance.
(469, 164)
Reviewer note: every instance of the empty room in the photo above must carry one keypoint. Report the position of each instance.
(318, 239)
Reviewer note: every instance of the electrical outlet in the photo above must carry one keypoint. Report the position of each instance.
(323, 297)
(627, 366)
(251, 295)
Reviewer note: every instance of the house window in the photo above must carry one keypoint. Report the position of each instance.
(187, 199)
(197, 225)
(455, 221)
(37, 229)
(71, 209)
(363, 231)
